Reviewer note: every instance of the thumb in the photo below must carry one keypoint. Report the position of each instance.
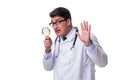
(47, 38)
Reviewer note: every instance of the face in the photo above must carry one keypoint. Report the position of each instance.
(60, 25)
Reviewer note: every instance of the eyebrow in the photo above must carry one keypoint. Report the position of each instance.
(57, 19)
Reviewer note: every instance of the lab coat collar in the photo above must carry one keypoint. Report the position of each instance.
(70, 36)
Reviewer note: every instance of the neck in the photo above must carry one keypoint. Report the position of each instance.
(68, 30)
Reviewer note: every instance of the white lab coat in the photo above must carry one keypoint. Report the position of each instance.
(77, 63)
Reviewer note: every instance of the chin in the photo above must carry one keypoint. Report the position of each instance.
(58, 34)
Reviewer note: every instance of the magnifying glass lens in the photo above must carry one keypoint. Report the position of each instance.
(46, 31)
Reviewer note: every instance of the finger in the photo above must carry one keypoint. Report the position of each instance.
(82, 27)
(78, 34)
(47, 43)
(89, 28)
(47, 38)
(86, 25)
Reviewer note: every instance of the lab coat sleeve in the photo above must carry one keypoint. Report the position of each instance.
(96, 53)
(48, 61)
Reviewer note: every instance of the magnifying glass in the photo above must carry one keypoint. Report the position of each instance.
(45, 31)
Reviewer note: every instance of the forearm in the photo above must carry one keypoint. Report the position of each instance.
(48, 61)
(96, 53)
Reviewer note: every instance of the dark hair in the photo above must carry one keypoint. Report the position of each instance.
(62, 12)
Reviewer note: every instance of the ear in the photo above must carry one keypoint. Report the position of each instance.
(68, 21)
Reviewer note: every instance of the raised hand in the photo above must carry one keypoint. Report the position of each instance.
(85, 33)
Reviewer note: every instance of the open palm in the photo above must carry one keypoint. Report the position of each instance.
(85, 33)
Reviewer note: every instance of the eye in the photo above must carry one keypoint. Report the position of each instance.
(59, 21)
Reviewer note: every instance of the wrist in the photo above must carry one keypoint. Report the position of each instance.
(89, 43)
(47, 50)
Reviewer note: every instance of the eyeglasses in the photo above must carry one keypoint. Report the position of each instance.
(57, 23)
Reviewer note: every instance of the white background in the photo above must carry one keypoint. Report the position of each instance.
(21, 40)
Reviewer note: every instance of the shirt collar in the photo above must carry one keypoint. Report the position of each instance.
(70, 35)
(71, 31)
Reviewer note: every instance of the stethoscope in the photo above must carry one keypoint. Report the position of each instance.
(58, 39)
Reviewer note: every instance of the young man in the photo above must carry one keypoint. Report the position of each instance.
(72, 56)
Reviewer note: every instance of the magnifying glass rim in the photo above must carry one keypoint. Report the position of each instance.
(47, 29)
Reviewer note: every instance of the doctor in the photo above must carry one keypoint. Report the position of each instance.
(74, 53)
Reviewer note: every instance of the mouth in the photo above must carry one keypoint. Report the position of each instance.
(57, 31)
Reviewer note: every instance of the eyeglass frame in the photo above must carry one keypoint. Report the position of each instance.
(57, 23)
